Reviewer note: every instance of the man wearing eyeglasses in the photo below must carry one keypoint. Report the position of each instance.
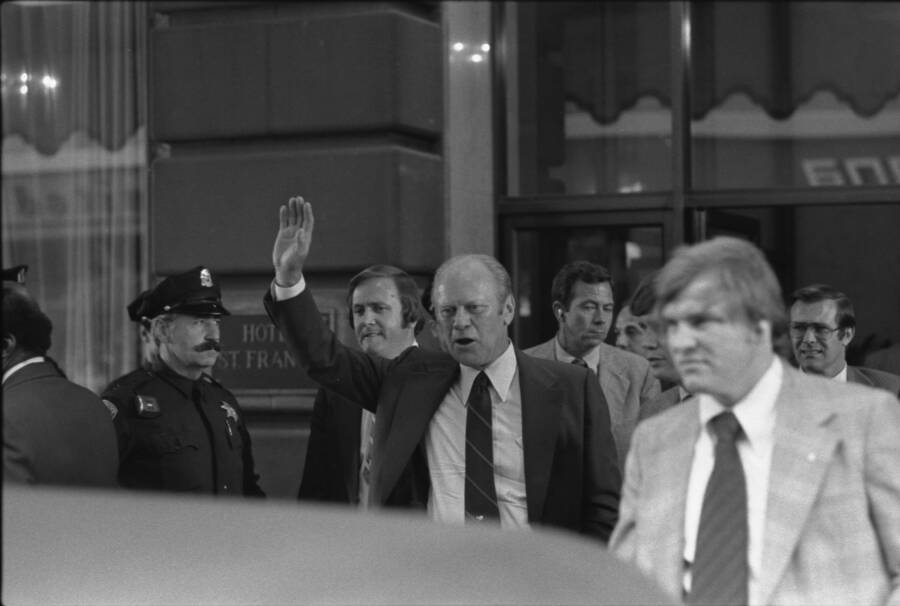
(822, 324)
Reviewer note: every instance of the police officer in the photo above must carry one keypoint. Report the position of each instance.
(179, 430)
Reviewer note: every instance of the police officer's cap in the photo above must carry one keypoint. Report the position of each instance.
(137, 309)
(194, 292)
(15, 274)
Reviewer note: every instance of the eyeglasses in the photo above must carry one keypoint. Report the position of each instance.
(798, 329)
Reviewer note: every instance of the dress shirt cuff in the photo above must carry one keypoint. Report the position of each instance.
(280, 293)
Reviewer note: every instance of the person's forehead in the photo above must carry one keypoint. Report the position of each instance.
(465, 282)
(645, 321)
(819, 311)
(599, 291)
(375, 290)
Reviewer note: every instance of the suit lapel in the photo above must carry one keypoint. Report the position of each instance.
(541, 406)
(855, 376)
(670, 475)
(803, 449)
(420, 396)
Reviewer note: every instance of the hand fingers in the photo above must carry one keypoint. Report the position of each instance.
(282, 217)
(308, 219)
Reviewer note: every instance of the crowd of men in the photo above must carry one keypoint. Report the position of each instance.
(694, 450)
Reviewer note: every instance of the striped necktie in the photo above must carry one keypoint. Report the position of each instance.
(481, 496)
(720, 572)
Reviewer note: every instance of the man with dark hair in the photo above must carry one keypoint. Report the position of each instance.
(386, 315)
(822, 325)
(645, 340)
(583, 304)
(179, 430)
(768, 486)
(479, 434)
(54, 431)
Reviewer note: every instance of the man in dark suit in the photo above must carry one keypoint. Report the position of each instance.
(386, 315)
(538, 451)
(54, 431)
(822, 325)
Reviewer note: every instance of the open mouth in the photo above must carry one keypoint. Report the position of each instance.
(464, 341)
(209, 346)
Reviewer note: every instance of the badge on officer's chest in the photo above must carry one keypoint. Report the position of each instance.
(147, 407)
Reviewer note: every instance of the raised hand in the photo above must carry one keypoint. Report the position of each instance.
(292, 242)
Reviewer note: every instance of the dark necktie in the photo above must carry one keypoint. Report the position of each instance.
(719, 573)
(580, 362)
(481, 496)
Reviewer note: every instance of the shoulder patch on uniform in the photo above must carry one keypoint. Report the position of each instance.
(230, 412)
(146, 406)
(113, 409)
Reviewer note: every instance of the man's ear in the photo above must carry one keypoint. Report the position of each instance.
(509, 309)
(9, 344)
(763, 328)
(847, 334)
(559, 311)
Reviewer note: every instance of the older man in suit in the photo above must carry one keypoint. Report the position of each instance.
(770, 486)
(479, 434)
(583, 306)
(822, 325)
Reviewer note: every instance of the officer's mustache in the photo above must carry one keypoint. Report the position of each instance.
(208, 345)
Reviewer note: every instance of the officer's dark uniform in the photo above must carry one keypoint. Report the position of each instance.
(176, 433)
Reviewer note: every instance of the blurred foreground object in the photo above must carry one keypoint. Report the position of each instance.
(75, 547)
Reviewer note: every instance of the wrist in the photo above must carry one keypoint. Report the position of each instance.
(287, 279)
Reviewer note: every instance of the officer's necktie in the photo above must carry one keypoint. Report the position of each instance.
(481, 496)
(719, 573)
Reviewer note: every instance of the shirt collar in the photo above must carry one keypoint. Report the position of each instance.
(755, 411)
(592, 358)
(21, 365)
(501, 373)
(841, 376)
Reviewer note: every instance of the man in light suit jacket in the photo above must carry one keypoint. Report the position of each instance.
(822, 325)
(583, 305)
(386, 314)
(819, 518)
(552, 460)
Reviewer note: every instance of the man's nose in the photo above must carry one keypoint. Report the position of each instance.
(368, 317)
(212, 329)
(679, 336)
(809, 335)
(461, 319)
